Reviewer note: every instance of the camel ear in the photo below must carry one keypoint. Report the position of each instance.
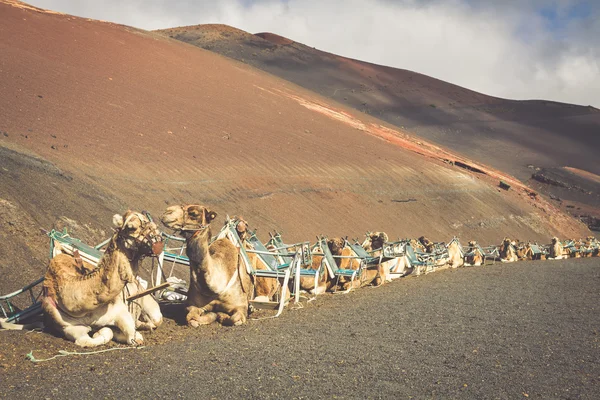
(117, 220)
(210, 215)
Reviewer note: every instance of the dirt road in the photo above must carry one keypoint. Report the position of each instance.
(520, 330)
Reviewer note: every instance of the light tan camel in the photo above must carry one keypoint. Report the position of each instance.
(474, 256)
(394, 268)
(456, 256)
(508, 253)
(78, 297)
(220, 287)
(557, 252)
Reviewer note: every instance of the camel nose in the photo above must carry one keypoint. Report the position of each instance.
(158, 247)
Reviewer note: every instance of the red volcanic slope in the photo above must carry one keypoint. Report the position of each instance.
(513, 136)
(99, 117)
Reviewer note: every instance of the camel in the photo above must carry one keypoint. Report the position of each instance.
(456, 256)
(369, 276)
(508, 253)
(220, 287)
(307, 283)
(265, 289)
(556, 250)
(395, 267)
(521, 249)
(474, 256)
(591, 246)
(427, 244)
(78, 297)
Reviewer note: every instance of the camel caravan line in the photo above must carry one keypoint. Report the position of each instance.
(92, 295)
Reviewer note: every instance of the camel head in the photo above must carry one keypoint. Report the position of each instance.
(241, 227)
(378, 239)
(138, 233)
(187, 218)
(336, 245)
(555, 240)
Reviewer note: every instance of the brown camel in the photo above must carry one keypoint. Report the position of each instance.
(508, 253)
(78, 297)
(265, 289)
(394, 268)
(557, 252)
(369, 276)
(474, 256)
(220, 287)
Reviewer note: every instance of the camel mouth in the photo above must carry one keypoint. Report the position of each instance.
(158, 247)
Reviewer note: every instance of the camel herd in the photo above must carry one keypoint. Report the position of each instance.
(90, 304)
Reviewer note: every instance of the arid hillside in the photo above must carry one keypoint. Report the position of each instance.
(519, 137)
(99, 117)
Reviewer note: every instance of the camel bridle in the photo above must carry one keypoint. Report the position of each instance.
(149, 236)
(197, 227)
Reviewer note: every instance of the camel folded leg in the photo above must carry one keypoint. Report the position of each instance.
(197, 316)
(80, 334)
(238, 317)
(126, 332)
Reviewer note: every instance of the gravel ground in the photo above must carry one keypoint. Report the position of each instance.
(523, 330)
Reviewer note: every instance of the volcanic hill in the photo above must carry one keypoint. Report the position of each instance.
(533, 140)
(99, 117)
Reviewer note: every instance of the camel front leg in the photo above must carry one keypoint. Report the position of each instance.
(126, 332)
(197, 316)
(237, 317)
(80, 334)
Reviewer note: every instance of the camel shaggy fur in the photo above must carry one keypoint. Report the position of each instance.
(557, 251)
(78, 297)
(508, 253)
(220, 287)
(474, 256)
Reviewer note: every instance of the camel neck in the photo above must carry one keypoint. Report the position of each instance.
(197, 247)
(115, 270)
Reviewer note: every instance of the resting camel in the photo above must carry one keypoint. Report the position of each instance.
(369, 276)
(78, 297)
(508, 253)
(521, 249)
(557, 251)
(395, 267)
(592, 246)
(307, 283)
(265, 289)
(474, 256)
(456, 256)
(220, 286)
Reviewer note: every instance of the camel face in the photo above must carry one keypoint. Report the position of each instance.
(336, 245)
(378, 239)
(241, 227)
(190, 217)
(138, 233)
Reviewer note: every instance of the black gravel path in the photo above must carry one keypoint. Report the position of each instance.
(523, 330)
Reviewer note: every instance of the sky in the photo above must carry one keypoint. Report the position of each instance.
(519, 49)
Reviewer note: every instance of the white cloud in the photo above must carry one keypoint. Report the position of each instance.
(503, 49)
